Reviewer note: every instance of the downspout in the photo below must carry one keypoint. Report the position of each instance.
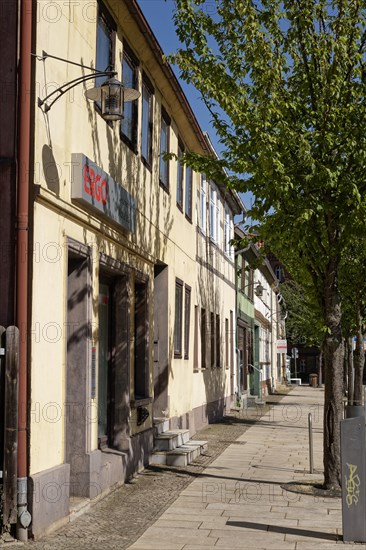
(22, 256)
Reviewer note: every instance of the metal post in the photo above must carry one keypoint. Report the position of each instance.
(295, 366)
(311, 447)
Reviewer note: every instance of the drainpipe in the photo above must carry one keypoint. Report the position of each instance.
(22, 256)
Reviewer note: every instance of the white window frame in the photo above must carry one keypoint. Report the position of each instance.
(227, 232)
(203, 205)
(214, 215)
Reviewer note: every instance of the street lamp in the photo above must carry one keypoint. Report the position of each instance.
(112, 94)
(259, 289)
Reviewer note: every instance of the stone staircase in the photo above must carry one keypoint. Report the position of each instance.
(253, 401)
(173, 447)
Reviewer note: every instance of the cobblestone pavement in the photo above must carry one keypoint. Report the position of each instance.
(119, 519)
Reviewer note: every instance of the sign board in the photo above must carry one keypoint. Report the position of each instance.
(295, 353)
(98, 191)
(281, 346)
(353, 479)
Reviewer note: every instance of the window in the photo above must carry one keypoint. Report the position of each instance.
(141, 341)
(129, 79)
(196, 336)
(228, 234)
(243, 283)
(187, 316)
(146, 123)
(231, 338)
(250, 292)
(189, 193)
(212, 338)
(227, 343)
(203, 204)
(279, 272)
(164, 148)
(218, 341)
(178, 318)
(214, 215)
(105, 44)
(203, 338)
(180, 177)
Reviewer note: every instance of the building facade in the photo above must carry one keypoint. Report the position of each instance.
(131, 286)
(260, 324)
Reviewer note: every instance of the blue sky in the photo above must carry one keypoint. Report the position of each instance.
(159, 14)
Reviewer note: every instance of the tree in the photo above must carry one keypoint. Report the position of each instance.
(353, 289)
(285, 82)
(303, 325)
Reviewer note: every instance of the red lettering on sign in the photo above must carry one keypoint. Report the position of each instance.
(92, 185)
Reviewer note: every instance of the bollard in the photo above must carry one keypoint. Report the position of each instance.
(311, 448)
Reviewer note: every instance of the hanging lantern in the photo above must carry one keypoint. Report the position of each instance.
(112, 99)
(259, 290)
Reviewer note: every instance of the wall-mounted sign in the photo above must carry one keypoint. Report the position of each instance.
(281, 346)
(98, 191)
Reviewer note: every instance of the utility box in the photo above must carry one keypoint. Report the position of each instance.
(353, 479)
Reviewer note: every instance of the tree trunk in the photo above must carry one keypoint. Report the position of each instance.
(333, 363)
(350, 385)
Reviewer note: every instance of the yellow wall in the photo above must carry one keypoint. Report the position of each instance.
(162, 230)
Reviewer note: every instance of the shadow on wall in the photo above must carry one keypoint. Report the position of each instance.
(214, 376)
(50, 170)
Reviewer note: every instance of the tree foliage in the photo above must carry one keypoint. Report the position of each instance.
(303, 321)
(285, 82)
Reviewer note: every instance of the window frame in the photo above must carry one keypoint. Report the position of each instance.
(218, 340)
(203, 204)
(178, 319)
(228, 233)
(188, 193)
(243, 276)
(214, 214)
(110, 23)
(212, 339)
(166, 120)
(141, 344)
(203, 338)
(130, 58)
(180, 176)
(147, 86)
(187, 319)
(227, 335)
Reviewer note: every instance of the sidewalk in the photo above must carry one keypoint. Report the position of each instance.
(241, 499)
(240, 495)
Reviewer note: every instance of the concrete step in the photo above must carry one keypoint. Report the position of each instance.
(183, 455)
(168, 441)
(161, 425)
(254, 401)
(180, 456)
(202, 444)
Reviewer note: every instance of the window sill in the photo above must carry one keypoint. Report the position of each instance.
(130, 144)
(189, 218)
(146, 164)
(141, 402)
(108, 450)
(164, 187)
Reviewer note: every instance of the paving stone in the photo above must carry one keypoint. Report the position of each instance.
(234, 496)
